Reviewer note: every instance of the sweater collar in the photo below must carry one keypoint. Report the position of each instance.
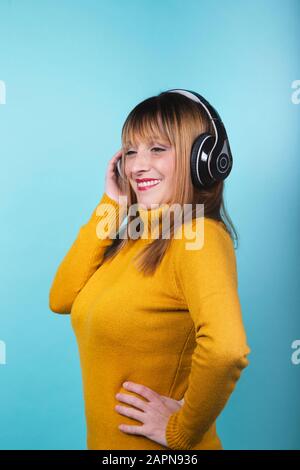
(152, 219)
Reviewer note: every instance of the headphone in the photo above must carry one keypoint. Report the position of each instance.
(211, 158)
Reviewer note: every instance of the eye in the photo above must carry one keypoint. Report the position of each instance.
(154, 148)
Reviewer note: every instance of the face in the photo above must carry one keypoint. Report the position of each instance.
(154, 162)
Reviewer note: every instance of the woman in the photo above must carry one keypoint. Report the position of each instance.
(151, 310)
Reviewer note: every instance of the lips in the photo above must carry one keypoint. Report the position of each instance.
(147, 183)
(142, 180)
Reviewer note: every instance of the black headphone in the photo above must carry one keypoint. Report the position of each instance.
(211, 158)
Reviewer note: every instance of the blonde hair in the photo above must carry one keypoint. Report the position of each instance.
(178, 120)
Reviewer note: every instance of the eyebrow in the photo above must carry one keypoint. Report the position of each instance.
(151, 142)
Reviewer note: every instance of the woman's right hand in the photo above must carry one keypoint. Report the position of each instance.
(112, 187)
(171, 404)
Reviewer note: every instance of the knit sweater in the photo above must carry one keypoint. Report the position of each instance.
(179, 332)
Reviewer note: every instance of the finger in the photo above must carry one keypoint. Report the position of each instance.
(165, 398)
(117, 155)
(169, 398)
(142, 390)
(131, 413)
(132, 400)
(132, 429)
(113, 161)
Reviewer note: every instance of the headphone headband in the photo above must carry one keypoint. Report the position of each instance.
(217, 162)
(211, 111)
(220, 131)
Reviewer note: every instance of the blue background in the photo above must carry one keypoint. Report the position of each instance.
(73, 70)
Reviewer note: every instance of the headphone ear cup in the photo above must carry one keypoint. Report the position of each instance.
(119, 165)
(201, 149)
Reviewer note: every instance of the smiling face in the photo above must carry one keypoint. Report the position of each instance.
(150, 169)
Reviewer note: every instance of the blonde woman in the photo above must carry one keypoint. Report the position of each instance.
(157, 318)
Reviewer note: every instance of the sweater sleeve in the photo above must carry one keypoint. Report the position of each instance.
(207, 279)
(86, 254)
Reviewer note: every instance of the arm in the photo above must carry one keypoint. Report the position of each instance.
(85, 255)
(207, 278)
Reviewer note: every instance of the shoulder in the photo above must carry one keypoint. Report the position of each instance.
(204, 246)
(202, 234)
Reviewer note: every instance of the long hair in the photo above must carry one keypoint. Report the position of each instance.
(179, 120)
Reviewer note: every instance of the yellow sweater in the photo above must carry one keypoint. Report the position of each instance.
(179, 332)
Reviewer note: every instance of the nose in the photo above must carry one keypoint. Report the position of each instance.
(140, 162)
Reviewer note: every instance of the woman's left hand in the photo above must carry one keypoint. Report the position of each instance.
(154, 412)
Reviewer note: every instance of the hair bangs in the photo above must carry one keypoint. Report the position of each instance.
(145, 124)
